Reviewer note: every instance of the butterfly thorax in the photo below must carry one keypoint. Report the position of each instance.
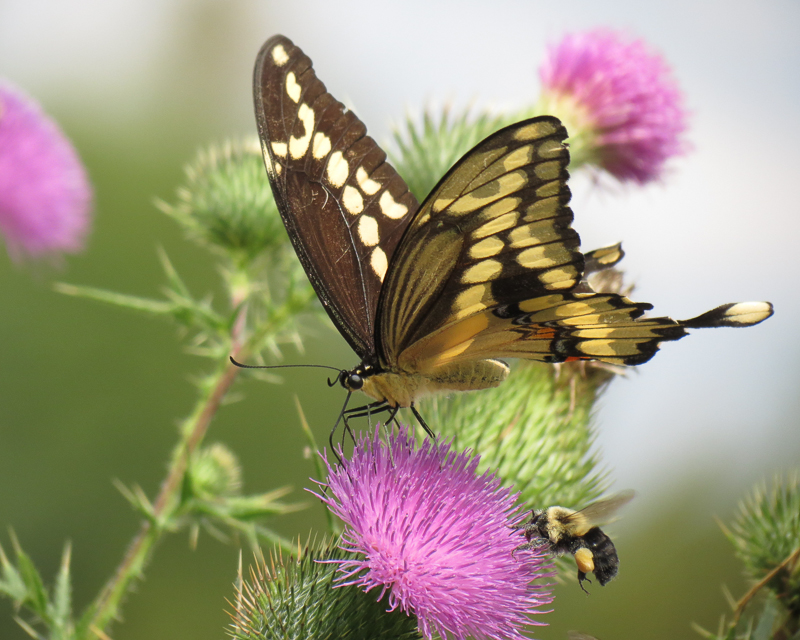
(400, 388)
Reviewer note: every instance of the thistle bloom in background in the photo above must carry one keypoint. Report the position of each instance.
(436, 536)
(618, 100)
(45, 195)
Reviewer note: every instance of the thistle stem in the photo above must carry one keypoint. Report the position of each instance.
(106, 607)
(107, 604)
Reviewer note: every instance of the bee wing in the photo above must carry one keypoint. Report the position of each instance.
(602, 511)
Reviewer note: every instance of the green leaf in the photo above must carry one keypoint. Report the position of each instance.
(11, 582)
(61, 608)
(36, 597)
(147, 305)
(767, 621)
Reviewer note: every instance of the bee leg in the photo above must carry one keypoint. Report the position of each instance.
(536, 543)
(581, 578)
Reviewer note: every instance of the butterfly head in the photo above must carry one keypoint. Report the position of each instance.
(354, 379)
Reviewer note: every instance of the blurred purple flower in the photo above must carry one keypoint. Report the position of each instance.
(437, 537)
(45, 196)
(621, 96)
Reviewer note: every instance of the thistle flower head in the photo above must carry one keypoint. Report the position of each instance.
(618, 100)
(437, 537)
(45, 196)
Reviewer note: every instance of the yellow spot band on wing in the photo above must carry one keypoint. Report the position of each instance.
(352, 200)
(500, 223)
(279, 149)
(321, 146)
(298, 146)
(487, 248)
(279, 55)
(535, 131)
(379, 263)
(490, 192)
(390, 208)
(292, 88)
(368, 185)
(338, 169)
(482, 271)
(368, 231)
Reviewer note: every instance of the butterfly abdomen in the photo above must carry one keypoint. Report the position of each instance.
(401, 389)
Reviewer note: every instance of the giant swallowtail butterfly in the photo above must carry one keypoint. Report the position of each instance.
(431, 296)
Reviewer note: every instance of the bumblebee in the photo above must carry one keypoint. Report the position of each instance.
(578, 532)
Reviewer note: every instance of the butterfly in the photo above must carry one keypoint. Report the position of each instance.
(432, 296)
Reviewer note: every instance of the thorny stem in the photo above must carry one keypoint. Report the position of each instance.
(105, 608)
(139, 550)
(743, 602)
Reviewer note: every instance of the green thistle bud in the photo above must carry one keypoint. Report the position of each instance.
(215, 472)
(766, 535)
(533, 430)
(428, 149)
(297, 598)
(227, 202)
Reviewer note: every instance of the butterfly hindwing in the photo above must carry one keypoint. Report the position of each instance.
(344, 206)
(490, 268)
(551, 328)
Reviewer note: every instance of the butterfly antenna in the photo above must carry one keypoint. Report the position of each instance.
(285, 366)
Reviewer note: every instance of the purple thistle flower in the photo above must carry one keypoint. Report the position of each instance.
(436, 536)
(45, 196)
(620, 99)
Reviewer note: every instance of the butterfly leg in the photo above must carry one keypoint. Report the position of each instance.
(336, 424)
(422, 422)
(345, 415)
(366, 411)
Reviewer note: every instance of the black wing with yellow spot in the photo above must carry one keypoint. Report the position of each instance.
(344, 206)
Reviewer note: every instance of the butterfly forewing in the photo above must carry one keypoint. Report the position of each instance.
(344, 206)
(495, 230)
